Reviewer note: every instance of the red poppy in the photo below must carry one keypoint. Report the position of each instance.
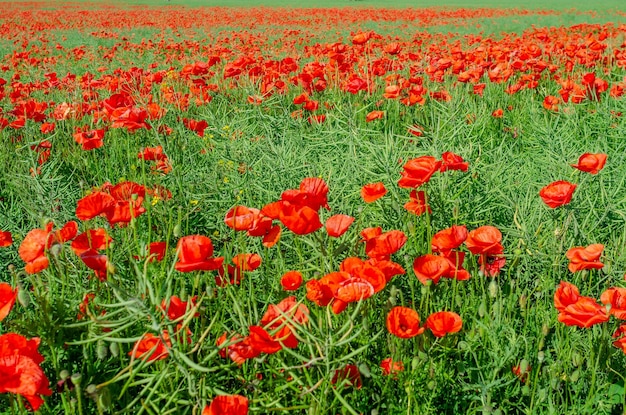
(5, 239)
(291, 280)
(93, 205)
(451, 161)
(281, 319)
(418, 171)
(443, 322)
(195, 253)
(354, 289)
(385, 244)
(497, 113)
(557, 194)
(389, 367)
(404, 322)
(240, 218)
(338, 224)
(448, 239)
(96, 239)
(551, 103)
(430, 268)
(582, 258)
(456, 270)
(19, 366)
(151, 347)
(260, 340)
(7, 298)
(197, 126)
(373, 191)
(300, 220)
(97, 262)
(347, 376)
(565, 294)
(417, 203)
(89, 139)
(584, 313)
(521, 371)
(485, 240)
(33, 248)
(591, 163)
(490, 265)
(156, 251)
(374, 115)
(227, 404)
(176, 308)
(616, 298)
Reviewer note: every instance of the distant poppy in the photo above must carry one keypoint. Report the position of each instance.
(443, 322)
(557, 194)
(373, 191)
(89, 139)
(374, 115)
(582, 258)
(338, 224)
(485, 240)
(227, 404)
(5, 239)
(8, 295)
(616, 298)
(349, 375)
(497, 113)
(430, 268)
(591, 163)
(451, 161)
(551, 103)
(195, 253)
(403, 322)
(390, 367)
(291, 280)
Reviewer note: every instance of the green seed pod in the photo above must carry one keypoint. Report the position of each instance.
(102, 350)
(76, 378)
(114, 348)
(64, 374)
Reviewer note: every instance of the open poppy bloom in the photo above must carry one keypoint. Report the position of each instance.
(338, 224)
(33, 248)
(582, 258)
(584, 313)
(227, 404)
(443, 322)
(451, 161)
(374, 115)
(430, 268)
(176, 308)
(349, 375)
(616, 298)
(485, 240)
(417, 204)
(291, 280)
(418, 171)
(557, 194)
(404, 322)
(390, 367)
(19, 366)
(383, 245)
(195, 253)
(89, 139)
(373, 191)
(7, 299)
(591, 163)
(448, 239)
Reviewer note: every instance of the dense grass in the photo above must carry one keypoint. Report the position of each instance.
(249, 154)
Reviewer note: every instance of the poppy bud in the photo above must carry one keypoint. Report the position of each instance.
(101, 350)
(104, 399)
(114, 348)
(493, 289)
(55, 250)
(23, 297)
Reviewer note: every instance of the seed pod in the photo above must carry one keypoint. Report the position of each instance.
(102, 350)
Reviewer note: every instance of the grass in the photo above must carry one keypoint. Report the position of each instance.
(250, 154)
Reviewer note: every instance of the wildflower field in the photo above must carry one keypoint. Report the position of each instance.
(349, 210)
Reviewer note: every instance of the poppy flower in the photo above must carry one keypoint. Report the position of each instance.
(418, 171)
(5, 239)
(33, 248)
(227, 404)
(20, 365)
(373, 191)
(338, 224)
(551, 103)
(582, 258)
(300, 220)
(485, 240)
(385, 244)
(389, 367)
(584, 313)
(349, 375)
(97, 262)
(430, 268)
(260, 340)
(281, 319)
(616, 297)
(417, 203)
(89, 139)
(239, 218)
(521, 371)
(94, 204)
(8, 296)
(353, 290)
(195, 253)
(451, 161)
(151, 347)
(557, 194)
(448, 239)
(374, 115)
(456, 270)
(291, 280)
(490, 265)
(565, 294)
(176, 308)
(497, 113)
(96, 239)
(443, 322)
(591, 163)
(403, 322)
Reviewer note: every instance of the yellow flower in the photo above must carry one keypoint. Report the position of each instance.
(193, 202)
(155, 200)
